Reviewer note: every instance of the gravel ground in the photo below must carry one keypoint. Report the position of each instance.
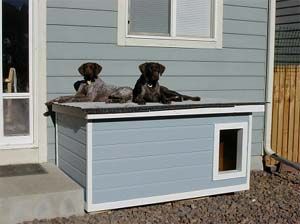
(273, 198)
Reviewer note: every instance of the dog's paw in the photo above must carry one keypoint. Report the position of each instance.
(196, 98)
(141, 102)
(166, 101)
(109, 101)
(123, 101)
(178, 99)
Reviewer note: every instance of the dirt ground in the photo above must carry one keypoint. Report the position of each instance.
(273, 198)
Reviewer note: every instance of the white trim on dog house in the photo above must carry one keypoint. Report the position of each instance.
(242, 151)
(236, 109)
(164, 198)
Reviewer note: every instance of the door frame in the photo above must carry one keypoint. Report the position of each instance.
(36, 152)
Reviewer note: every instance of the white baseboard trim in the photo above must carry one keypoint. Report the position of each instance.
(163, 198)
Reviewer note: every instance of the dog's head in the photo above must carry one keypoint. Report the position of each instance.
(90, 71)
(151, 71)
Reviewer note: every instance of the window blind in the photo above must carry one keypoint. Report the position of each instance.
(194, 18)
(150, 17)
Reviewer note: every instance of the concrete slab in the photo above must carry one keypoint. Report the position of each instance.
(41, 196)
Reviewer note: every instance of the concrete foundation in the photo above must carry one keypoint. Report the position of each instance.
(42, 196)
(257, 163)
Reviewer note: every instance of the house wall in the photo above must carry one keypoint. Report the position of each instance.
(80, 31)
(287, 44)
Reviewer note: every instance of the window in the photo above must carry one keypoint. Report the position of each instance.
(170, 23)
(230, 150)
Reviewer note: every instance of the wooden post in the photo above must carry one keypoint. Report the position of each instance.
(275, 111)
(280, 111)
(286, 109)
(291, 112)
(297, 117)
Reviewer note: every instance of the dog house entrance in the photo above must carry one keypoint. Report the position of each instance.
(228, 149)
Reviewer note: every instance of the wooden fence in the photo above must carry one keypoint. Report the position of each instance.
(286, 112)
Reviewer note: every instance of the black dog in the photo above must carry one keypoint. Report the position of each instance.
(147, 88)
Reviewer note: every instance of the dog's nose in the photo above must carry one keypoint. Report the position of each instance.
(155, 75)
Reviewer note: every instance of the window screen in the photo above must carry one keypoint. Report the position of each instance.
(150, 17)
(194, 18)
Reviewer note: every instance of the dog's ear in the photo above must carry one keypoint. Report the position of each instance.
(142, 68)
(162, 69)
(97, 68)
(81, 69)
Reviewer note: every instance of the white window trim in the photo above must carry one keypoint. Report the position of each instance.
(242, 170)
(124, 39)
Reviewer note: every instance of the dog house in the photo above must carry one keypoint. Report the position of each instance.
(126, 155)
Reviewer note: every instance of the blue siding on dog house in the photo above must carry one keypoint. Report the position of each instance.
(140, 159)
(124, 159)
(72, 147)
(80, 31)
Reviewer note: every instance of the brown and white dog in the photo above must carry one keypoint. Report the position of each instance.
(147, 88)
(93, 89)
(97, 90)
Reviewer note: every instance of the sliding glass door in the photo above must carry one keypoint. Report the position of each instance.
(16, 110)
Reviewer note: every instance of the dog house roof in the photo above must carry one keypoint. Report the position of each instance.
(83, 109)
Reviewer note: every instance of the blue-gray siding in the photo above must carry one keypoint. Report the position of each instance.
(80, 31)
(72, 147)
(135, 159)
